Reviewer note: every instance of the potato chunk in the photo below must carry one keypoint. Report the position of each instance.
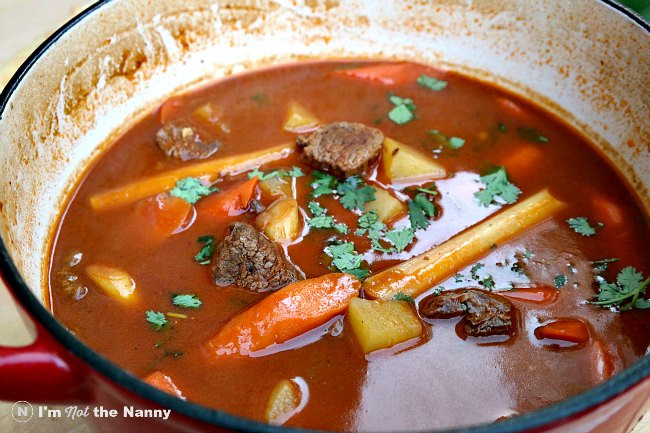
(113, 281)
(386, 206)
(281, 220)
(276, 187)
(403, 163)
(283, 402)
(382, 324)
(299, 119)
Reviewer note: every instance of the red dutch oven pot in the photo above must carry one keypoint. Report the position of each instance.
(128, 55)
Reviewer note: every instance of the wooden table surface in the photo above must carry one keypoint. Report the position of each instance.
(23, 25)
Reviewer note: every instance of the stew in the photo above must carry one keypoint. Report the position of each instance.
(356, 246)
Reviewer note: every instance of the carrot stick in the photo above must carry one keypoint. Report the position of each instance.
(384, 73)
(571, 330)
(608, 211)
(165, 181)
(522, 160)
(422, 272)
(230, 202)
(163, 382)
(285, 314)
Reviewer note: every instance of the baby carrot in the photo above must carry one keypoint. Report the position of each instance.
(159, 380)
(285, 314)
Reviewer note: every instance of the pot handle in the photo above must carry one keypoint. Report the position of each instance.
(42, 372)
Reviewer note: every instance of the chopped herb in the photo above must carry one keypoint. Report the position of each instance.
(259, 97)
(529, 254)
(531, 134)
(399, 296)
(502, 127)
(404, 109)
(451, 142)
(488, 282)
(400, 238)
(456, 143)
(353, 195)
(431, 83)
(156, 319)
(323, 221)
(474, 270)
(191, 189)
(323, 184)
(205, 255)
(560, 281)
(458, 278)
(438, 290)
(581, 226)
(186, 301)
(626, 293)
(346, 259)
(293, 172)
(369, 222)
(419, 208)
(497, 189)
(600, 266)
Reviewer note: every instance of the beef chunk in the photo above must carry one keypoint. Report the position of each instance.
(248, 259)
(342, 148)
(485, 313)
(185, 142)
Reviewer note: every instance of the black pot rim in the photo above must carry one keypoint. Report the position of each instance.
(548, 416)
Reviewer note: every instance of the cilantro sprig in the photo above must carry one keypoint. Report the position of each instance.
(191, 189)
(419, 209)
(205, 254)
(156, 319)
(321, 220)
(454, 143)
(498, 189)
(186, 301)
(399, 238)
(323, 184)
(403, 111)
(346, 259)
(582, 226)
(400, 296)
(355, 193)
(624, 294)
(431, 83)
(293, 172)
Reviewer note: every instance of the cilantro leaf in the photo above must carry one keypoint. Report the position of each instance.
(186, 301)
(626, 293)
(560, 281)
(399, 296)
(323, 184)
(353, 195)
(419, 208)
(531, 134)
(458, 278)
(400, 238)
(401, 115)
(581, 226)
(157, 320)
(346, 259)
(431, 83)
(404, 110)
(205, 254)
(474, 270)
(323, 221)
(497, 189)
(369, 222)
(456, 142)
(294, 172)
(488, 282)
(191, 189)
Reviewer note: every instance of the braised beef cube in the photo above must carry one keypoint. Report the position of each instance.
(342, 148)
(185, 142)
(247, 259)
(485, 313)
